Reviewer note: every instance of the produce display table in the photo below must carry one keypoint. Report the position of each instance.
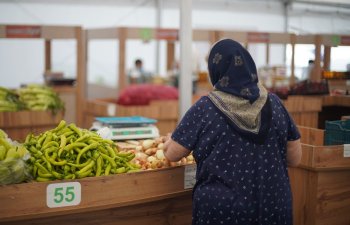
(320, 184)
(147, 197)
(19, 124)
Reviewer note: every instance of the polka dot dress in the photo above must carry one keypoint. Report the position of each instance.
(238, 181)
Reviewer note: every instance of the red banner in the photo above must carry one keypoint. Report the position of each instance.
(18, 31)
(258, 37)
(167, 34)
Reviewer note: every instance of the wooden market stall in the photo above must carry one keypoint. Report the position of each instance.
(151, 197)
(73, 96)
(327, 42)
(166, 112)
(320, 184)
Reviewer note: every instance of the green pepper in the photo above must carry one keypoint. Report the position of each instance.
(99, 162)
(75, 129)
(42, 179)
(60, 126)
(79, 165)
(121, 170)
(41, 167)
(85, 149)
(50, 144)
(85, 174)
(57, 175)
(111, 152)
(108, 169)
(109, 159)
(44, 175)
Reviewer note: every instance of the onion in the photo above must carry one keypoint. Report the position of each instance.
(160, 146)
(141, 156)
(160, 154)
(146, 144)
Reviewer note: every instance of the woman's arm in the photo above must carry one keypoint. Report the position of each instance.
(173, 151)
(293, 153)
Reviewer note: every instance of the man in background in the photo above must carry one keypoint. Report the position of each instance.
(138, 75)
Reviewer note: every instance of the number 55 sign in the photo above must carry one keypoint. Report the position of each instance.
(63, 194)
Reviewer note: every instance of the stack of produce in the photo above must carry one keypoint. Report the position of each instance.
(13, 168)
(40, 98)
(149, 154)
(68, 152)
(9, 101)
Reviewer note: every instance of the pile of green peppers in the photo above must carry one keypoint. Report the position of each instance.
(68, 152)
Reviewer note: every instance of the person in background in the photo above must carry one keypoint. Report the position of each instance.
(242, 139)
(309, 70)
(138, 75)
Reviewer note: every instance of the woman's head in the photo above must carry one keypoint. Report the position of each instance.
(232, 70)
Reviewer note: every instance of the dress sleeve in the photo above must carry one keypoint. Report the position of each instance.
(190, 127)
(293, 132)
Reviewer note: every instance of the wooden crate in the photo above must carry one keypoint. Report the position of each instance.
(320, 185)
(304, 109)
(164, 111)
(311, 136)
(19, 124)
(150, 197)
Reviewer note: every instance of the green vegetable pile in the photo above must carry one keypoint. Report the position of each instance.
(68, 152)
(32, 97)
(9, 101)
(13, 168)
(40, 98)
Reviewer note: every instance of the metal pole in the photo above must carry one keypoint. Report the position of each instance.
(185, 81)
(158, 25)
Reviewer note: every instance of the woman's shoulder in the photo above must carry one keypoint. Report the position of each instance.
(202, 105)
(274, 99)
(203, 102)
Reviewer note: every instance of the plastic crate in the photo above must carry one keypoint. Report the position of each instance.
(337, 132)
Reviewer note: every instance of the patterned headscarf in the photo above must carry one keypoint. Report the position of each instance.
(237, 92)
(232, 70)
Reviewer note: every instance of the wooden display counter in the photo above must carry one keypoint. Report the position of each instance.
(321, 183)
(19, 124)
(149, 197)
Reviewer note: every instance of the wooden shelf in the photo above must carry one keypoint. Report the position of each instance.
(27, 201)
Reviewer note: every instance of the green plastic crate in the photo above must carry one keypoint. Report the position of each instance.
(337, 132)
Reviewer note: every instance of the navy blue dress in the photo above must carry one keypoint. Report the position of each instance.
(238, 181)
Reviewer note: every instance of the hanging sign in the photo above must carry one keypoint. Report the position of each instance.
(258, 37)
(18, 31)
(167, 34)
(145, 34)
(345, 40)
(63, 194)
(335, 39)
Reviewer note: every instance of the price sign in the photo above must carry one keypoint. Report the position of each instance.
(346, 150)
(63, 194)
(18, 31)
(190, 176)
